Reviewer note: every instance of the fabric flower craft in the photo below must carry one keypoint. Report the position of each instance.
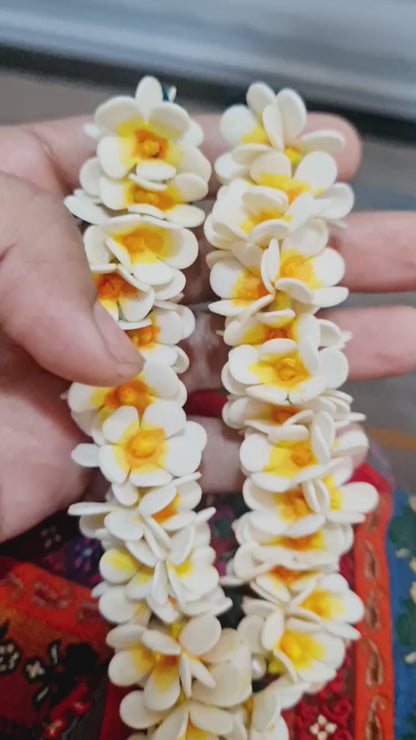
(272, 268)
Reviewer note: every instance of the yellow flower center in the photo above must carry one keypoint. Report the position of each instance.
(143, 239)
(148, 145)
(184, 569)
(147, 336)
(249, 224)
(144, 443)
(248, 288)
(313, 541)
(301, 649)
(169, 511)
(281, 574)
(296, 266)
(325, 604)
(136, 393)
(263, 333)
(286, 184)
(335, 494)
(281, 414)
(284, 371)
(141, 448)
(302, 455)
(256, 136)
(160, 200)
(294, 154)
(112, 287)
(165, 670)
(292, 505)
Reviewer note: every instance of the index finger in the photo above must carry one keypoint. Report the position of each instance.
(50, 154)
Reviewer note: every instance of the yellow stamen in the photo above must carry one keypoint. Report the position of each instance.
(325, 604)
(301, 649)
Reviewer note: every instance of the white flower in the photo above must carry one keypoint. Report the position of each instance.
(167, 325)
(151, 249)
(154, 136)
(260, 552)
(156, 382)
(102, 262)
(283, 369)
(117, 608)
(168, 659)
(322, 598)
(269, 122)
(302, 649)
(336, 499)
(260, 718)
(122, 295)
(190, 720)
(168, 200)
(242, 411)
(275, 202)
(291, 455)
(183, 569)
(146, 451)
(149, 513)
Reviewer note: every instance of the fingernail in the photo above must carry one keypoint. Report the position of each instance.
(117, 344)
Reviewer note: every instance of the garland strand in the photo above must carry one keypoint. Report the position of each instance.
(272, 270)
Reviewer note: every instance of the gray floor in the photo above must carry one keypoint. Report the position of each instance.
(387, 179)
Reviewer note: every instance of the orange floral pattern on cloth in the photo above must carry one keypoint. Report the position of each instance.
(52, 641)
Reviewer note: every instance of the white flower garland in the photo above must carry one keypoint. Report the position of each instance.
(272, 270)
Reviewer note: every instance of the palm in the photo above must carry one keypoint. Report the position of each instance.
(38, 475)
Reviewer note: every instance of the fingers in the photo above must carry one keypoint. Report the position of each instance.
(47, 154)
(383, 344)
(348, 159)
(48, 298)
(379, 250)
(220, 467)
(50, 153)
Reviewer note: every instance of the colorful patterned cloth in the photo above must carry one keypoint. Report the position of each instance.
(52, 639)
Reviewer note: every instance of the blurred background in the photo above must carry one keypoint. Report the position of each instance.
(356, 57)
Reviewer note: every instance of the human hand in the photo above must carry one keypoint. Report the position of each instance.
(50, 330)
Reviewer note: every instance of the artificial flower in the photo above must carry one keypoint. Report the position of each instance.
(269, 122)
(274, 203)
(156, 381)
(150, 248)
(190, 720)
(259, 718)
(166, 660)
(302, 649)
(184, 569)
(146, 450)
(284, 369)
(337, 500)
(154, 137)
(168, 200)
(290, 455)
(260, 552)
(122, 295)
(167, 325)
(149, 513)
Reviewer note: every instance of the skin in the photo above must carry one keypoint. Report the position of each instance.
(52, 331)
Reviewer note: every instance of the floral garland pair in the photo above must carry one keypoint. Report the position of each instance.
(272, 269)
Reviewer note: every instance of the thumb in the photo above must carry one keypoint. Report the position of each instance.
(48, 300)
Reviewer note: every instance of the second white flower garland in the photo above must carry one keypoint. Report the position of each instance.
(272, 270)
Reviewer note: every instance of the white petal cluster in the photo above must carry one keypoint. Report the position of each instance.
(273, 268)
(160, 585)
